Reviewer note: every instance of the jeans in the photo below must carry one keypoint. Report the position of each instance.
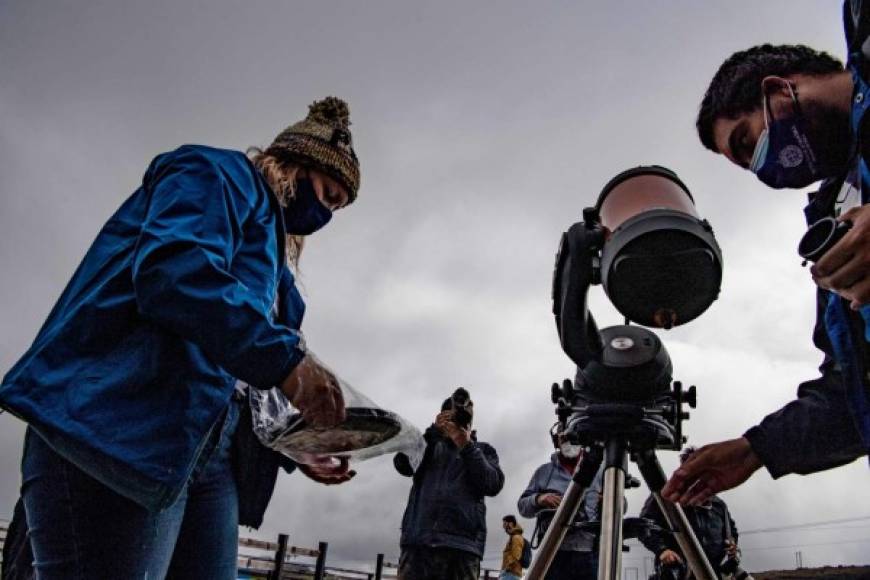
(505, 575)
(570, 565)
(81, 529)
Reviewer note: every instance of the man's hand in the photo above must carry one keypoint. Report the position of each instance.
(460, 437)
(549, 500)
(312, 389)
(328, 471)
(669, 557)
(711, 469)
(845, 268)
(731, 548)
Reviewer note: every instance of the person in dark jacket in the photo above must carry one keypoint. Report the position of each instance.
(576, 558)
(444, 525)
(130, 388)
(795, 116)
(711, 522)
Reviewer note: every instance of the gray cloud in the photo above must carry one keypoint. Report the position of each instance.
(483, 129)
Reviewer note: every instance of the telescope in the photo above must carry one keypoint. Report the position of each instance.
(660, 266)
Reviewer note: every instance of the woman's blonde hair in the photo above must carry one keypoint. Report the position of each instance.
(280, 174)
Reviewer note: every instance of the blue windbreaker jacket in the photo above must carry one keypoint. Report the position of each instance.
(172, 303)
(829, 423)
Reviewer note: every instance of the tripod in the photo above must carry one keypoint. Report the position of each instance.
(614, 433)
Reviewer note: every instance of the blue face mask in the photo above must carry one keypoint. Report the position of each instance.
(783, 156)
(305, 213)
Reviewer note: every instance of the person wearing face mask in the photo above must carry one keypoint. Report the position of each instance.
(132, 388)
(795, 117)
(576, 558)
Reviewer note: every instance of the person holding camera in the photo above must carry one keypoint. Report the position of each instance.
(576, 558)
(444, 525)
(713, 526)
(130, 388)
(795, 116)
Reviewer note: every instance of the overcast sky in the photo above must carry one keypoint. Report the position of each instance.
(483, 129)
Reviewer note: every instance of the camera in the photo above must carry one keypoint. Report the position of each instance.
(821, 237)
(461, 405)
(730, 566)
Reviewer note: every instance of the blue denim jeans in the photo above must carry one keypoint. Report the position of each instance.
(81, 529)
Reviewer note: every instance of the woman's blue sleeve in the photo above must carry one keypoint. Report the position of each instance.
(182, 275)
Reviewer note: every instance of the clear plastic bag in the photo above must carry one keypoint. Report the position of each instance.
(368, 431)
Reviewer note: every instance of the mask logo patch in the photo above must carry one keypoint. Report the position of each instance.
(791, 156)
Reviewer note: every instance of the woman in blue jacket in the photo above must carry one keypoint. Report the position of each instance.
(183, 299)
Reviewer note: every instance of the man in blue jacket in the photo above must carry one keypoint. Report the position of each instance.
(444, 526)
(795, 116)
(128, 388)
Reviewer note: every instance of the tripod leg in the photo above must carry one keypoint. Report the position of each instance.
(652, 473)
(610, 550)
(564, 515)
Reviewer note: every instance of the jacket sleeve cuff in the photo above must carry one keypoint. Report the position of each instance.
(296, 356)
(468, 450)
(761, 447)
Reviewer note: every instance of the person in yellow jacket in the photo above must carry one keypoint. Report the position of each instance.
(511, 567)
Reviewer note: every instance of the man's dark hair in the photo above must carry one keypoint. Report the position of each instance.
(736, 86)
(510, 519)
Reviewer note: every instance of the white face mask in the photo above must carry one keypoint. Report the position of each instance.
(570, 451)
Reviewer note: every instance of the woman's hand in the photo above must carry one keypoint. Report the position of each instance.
(328, 470)
(314, 390)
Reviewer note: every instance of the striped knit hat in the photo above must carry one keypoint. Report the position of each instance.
(322, 141)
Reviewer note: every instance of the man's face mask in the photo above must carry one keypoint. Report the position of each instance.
(305, 213)
(570, 451)
(784, 156)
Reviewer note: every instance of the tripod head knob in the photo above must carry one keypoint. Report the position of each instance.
(563, 392)
(691, 398)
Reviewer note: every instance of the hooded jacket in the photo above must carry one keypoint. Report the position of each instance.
(552, 477)
(513, 552)
(445, 506)
(172, 303)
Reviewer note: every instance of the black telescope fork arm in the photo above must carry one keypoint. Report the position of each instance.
(564, 516)
(573, 275)
(654, 476)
